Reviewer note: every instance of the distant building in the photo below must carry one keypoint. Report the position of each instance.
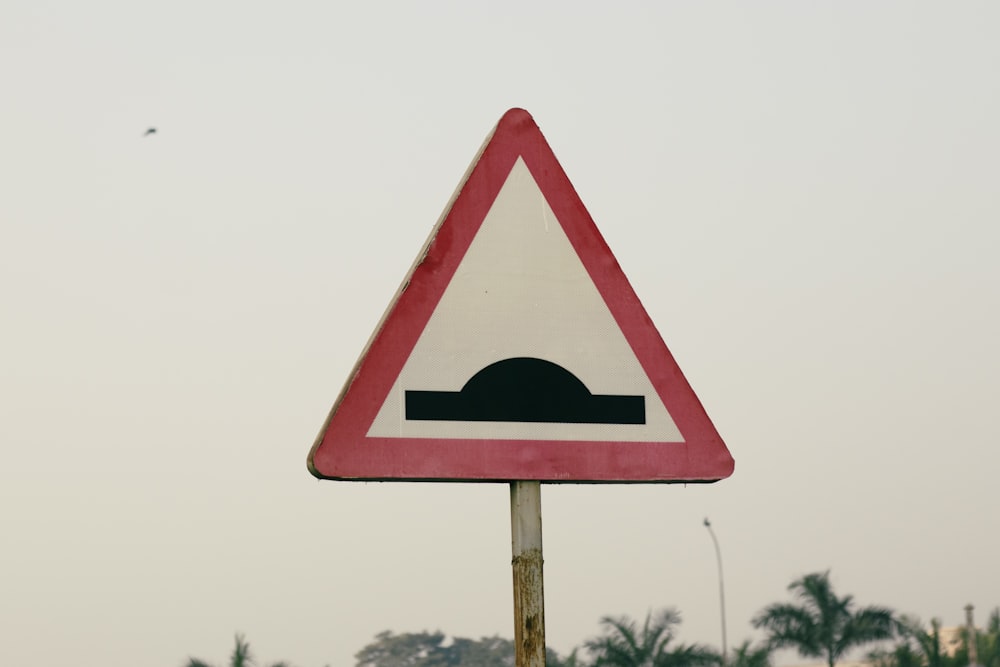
(951, 639)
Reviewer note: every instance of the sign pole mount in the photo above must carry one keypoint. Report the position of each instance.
(529, 600)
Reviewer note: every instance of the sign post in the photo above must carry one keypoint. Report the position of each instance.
(516, 351)
(529, 598)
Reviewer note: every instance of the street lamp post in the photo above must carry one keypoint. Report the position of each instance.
(722, 589)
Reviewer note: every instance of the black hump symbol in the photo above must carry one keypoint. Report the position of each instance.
(524, 389)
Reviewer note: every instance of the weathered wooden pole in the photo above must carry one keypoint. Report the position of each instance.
(529, 599)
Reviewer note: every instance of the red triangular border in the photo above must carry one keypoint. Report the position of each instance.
(342, 449)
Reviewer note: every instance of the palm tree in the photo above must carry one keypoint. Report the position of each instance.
(901, 655)
(918, 647)
(823, 625)
(989, 648)
(624, 644)
(927, 644)
(747, 655)
(239, 658)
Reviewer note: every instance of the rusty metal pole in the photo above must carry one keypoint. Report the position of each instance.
(529, 599)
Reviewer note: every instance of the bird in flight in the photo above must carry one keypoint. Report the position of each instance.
(150, 131)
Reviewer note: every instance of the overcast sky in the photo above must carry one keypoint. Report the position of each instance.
(804, 196)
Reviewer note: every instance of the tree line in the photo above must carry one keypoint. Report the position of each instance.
(817, 623)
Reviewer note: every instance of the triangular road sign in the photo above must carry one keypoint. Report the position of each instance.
(517, 350)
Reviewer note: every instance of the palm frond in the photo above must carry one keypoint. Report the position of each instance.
(867, 625)
(624, 644)
(788, 625)
(748, 655)
(241, 653)
(688, 655)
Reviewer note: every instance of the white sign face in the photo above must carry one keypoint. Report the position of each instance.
(521, 291)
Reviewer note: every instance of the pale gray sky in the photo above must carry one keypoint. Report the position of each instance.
(804, 195)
